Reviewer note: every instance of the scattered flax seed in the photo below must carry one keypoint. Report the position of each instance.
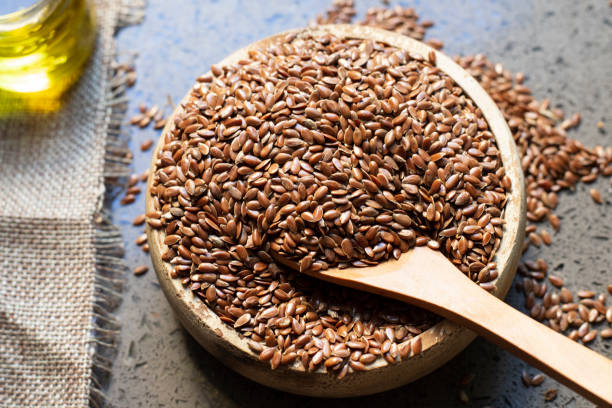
(526, 378)
(133, 180)
(144, 176)
(140, 270)
(435, 43)
(146, 145)
(537, 380)
(535, 239)
(144, 122)
(131, 79)
(142, 108)
(554, 221)
(600, 125)
(135, 190)
(596, 196)
(135, 120)
(139, 220)
(403, 20)
(158, 116)
(341, 11)
(153, 111)
(555, 280)
(141, 239)
(610, 289)
(128, 199)
(590, 336)
(545, 237)
(550, 395)
(145, 248)
(159, 124)
(606, 333)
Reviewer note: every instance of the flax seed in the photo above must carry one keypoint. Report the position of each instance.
(596, 196)
(146, 145)
(281, 180)
(141, 239)
(139, 220)
(140, 270)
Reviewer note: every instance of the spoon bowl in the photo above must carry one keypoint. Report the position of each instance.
(439, 344)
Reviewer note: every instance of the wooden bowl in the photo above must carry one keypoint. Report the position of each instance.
(439, 344)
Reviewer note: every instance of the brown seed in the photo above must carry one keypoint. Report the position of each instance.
(535, 239)
(566, 296)
(140, 270)
(242, 320)
(550, 394)
(267, 354)
(590, 336)
(583, 329)
(134, 120)
(415, 346)
(596, 196)
(141, 239)
(526, 378)
(133, 180)
(606, 333)
(133, 191)
(146, 145)
(159, 124)
(144, 122)
(554, 221)
(537, 380)
(139, 220)
(128, 199)
(555, 280)
(347, 247)
(172, 239)
(154, 222)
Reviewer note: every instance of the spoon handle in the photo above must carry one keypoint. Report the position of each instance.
(576, 366)
(426, 278)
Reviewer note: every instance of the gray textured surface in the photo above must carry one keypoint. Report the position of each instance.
(564, 47)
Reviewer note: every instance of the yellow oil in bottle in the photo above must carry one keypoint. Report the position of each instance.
(43, 50)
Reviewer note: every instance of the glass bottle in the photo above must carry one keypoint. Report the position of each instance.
(44, 47)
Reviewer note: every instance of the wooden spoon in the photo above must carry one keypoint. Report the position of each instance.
(427, 279)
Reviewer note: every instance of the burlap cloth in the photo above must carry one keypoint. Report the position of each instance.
(60, 265)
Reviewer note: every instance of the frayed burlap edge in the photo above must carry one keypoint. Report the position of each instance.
(110, 267)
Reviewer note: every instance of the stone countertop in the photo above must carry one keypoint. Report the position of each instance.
(565, 49)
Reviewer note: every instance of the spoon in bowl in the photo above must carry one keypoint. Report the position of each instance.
(426, 278)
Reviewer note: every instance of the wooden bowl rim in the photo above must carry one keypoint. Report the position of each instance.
(514, 215)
